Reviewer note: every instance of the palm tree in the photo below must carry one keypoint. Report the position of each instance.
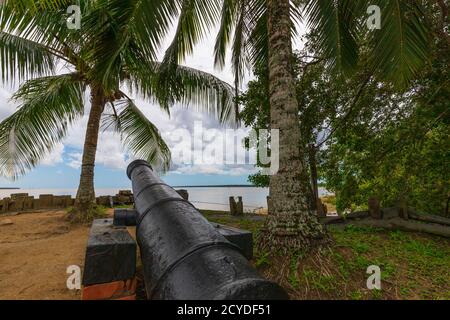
(115, 48)
(263, 30)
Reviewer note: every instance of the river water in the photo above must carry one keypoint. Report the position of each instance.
(209, 198)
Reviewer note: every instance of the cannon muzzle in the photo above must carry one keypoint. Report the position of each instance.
(183, 256)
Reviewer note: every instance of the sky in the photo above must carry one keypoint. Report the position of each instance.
(61, 168)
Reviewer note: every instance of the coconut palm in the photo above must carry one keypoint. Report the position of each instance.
(261, 33)
(115, 49)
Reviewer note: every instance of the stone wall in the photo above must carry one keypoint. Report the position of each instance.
(23, 202)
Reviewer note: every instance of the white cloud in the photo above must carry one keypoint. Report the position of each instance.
(74, 160)
(7, 107)
(215, 170)
(109, 152)
(54, 157)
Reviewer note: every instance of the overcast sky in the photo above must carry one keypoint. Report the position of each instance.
(61, 168)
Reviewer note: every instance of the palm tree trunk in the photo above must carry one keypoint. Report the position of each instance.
(86, 195)
(291, 225)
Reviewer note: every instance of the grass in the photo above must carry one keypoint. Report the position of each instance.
(124, 206)
(94, 212)
(413, 266)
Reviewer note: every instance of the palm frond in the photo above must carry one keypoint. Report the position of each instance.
(196, 18)
(139, 135)
(336, 25)
(21, 58)
(111, 25)
(227, 24)
(48, 106)
(259, 41)
(109, 33)
(39, 24)
(402, 44)
(151, 23)
(190, 87)
(239, 57)
(247, 21)
(148, 21)
(198, 90)
(37, 4)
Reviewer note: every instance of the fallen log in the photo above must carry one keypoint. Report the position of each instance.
(429, 218)
(406, 225)
(343, 219)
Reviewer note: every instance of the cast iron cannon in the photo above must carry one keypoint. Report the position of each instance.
(183, 256)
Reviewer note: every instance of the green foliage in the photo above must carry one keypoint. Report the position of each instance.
(93, 212)
(412, 265)
(262, 259)
(48, 106)
(372, 137)
(397, 50)
(139, 134)
(413, 262)
(399, 148)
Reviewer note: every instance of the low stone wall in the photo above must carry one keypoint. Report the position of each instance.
(23, 202)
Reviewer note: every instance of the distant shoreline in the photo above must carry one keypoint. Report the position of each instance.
(1, 188)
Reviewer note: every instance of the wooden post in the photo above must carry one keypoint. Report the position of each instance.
(403, 209)
(374, 208)
(240, 206)
(321, 208)
(233, 206)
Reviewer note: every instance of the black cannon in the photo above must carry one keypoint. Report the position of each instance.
(183, 255)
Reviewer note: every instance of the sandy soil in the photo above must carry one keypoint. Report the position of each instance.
(35, 252)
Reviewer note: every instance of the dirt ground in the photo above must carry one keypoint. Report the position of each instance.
(35, 252)
(36, 249)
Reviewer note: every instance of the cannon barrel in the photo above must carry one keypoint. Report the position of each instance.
(183, 256)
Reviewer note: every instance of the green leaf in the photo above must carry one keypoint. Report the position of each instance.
(47, 106)
(198, 90)
(197, 18)
(335, 23)
(139, 135)
(401, 46)
(21, 58)
(227, 23)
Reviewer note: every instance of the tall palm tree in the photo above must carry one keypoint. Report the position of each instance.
(263, 31)
(115, 48)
